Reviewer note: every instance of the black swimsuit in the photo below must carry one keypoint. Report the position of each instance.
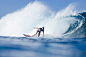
(40, 29)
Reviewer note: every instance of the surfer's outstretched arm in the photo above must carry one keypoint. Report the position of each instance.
(35, 27)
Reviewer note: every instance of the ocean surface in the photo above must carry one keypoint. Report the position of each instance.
(65, 32)
(42, 47)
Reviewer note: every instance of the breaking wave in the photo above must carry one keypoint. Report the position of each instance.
(67, 22)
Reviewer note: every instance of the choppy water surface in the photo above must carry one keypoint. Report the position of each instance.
(42, 47)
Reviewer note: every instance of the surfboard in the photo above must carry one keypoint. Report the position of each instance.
(26, 35)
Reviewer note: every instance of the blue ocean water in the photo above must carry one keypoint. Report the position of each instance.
(42, 47)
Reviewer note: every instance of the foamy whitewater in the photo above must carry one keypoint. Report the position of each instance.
(63, 23)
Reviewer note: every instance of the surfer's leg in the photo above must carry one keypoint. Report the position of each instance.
(35, 33)
(38, 34)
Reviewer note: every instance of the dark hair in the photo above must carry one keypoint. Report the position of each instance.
(43, 27)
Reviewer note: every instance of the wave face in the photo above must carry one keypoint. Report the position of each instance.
(67, 22)
(79, 31)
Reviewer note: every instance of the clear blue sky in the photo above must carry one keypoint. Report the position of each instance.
(8, 6)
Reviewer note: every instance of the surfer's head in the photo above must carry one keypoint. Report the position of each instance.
(43, 27)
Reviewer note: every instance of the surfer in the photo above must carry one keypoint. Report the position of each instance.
(39, 31)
